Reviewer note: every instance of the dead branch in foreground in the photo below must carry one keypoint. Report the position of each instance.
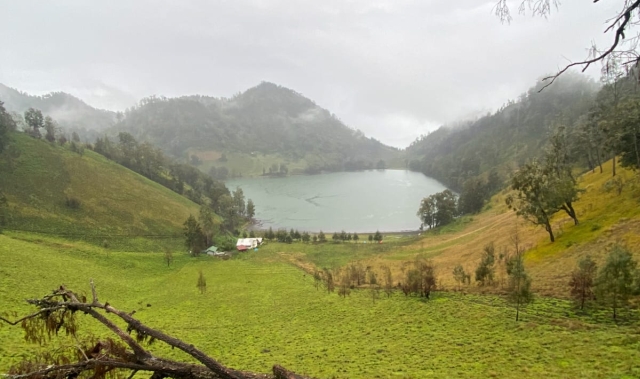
(111, 358)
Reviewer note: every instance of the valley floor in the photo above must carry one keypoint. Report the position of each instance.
(259, 310)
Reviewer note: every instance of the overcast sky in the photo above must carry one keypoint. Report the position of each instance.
(394, 69)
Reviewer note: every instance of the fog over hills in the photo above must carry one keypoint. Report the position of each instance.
(71, 113)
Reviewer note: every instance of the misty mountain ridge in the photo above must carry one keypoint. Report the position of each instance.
(505, 139)
(70, 112)
(267, 119)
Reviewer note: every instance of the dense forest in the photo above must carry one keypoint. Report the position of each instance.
(574, 124)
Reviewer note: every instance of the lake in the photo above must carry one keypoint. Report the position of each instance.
(364, 201)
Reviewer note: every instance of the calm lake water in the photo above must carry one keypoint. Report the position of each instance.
(365, 201)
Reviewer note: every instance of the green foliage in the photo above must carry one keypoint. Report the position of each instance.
(194, 238)
(378, 236)
(50, 127)
(460, 276)
(535, 199)
(251, 209)
(438, 209)
(35, 121)
(474, 193)
(206, 219)
(486, 267)
(266, 119)
(420, 278)
(71, 113)
(6, 125)
(543, 190)
(616, 279)
(583, 280)
(519, 287)
(455, 153)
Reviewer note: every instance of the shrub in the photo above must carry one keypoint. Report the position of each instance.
(73, 203)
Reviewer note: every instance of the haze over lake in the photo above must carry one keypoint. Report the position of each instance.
(365, 201)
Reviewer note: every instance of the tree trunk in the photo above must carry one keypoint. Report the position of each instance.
(550, 231)
(568, 207)
(613, 161)
(599, 160)
(635, 144)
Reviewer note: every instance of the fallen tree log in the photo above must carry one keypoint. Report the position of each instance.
(110, 357)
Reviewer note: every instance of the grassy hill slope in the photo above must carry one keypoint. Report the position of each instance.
(113, 200)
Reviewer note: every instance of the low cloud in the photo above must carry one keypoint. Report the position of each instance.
(394, 69)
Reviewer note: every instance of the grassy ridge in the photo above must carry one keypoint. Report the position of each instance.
(114, 200)
(258, 311)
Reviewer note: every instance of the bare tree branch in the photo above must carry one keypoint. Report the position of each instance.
(619, 25)
(57, 309)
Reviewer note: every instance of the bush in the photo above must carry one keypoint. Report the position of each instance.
(73, 203)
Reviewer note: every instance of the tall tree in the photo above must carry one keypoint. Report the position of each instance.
(238, 199)
(427, 212)
(207, 223)
(438, 209)
(486, 269)
(194, 238)
(35, 120)
(474, 193)
(459, 275)
(7, 124)
(519, 289)
(583, 280)
(446, 207)
(251, 209)
(558, 162)
(535, 199)
(50, 128)
(616, 278)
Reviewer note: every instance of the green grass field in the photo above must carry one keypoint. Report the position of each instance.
(114, 200)
(259, 310)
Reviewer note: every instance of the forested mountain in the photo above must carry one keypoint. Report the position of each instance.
(71, 113)
(497, 143)
(265, 120)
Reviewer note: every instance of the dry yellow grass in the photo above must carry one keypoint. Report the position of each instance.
(605, 218)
